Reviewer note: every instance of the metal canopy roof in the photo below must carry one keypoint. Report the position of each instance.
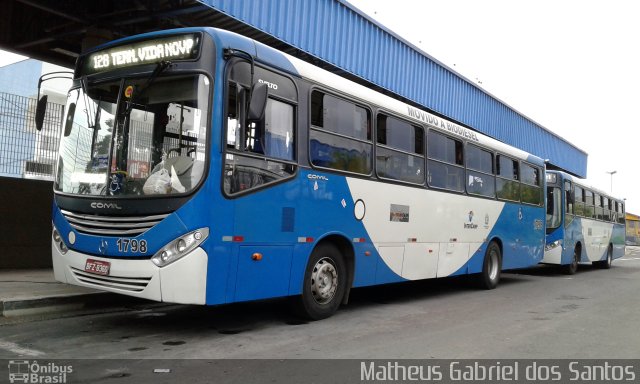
(330, 33)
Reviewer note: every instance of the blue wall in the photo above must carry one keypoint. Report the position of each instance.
(337, 33)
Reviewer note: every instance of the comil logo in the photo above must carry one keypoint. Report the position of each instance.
(99, 205)
(24, 371)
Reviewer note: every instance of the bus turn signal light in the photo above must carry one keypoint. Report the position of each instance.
(256, 256)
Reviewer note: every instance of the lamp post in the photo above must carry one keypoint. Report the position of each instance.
(612, 173)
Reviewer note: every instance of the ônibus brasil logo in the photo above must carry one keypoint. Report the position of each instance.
(24, 371)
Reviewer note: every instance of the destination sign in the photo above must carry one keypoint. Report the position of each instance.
(181, 47)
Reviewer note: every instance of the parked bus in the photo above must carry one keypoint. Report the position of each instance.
(583, 224)
(200, 166)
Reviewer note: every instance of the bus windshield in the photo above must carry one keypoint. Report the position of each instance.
(134, 137)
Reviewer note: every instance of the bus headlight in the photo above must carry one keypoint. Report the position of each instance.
(180, 247)
(553, 245)
(57, 239)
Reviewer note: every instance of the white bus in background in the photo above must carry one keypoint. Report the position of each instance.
(583, 224)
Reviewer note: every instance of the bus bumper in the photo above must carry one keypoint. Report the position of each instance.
(183, 281)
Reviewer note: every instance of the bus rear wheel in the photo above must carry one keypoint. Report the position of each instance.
(491, 267)
(572, 268)
(324, 284)
(606, 263)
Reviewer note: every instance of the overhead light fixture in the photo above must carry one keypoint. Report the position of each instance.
(66, 52)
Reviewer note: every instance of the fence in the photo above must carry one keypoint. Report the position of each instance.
(24, 151)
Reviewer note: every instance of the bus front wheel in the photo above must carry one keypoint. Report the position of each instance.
(572, 268)
(324, 284)
(491, 267)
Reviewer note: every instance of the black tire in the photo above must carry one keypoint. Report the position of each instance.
(572, 268)
(491, 267)
(324, 284)
(606, 263)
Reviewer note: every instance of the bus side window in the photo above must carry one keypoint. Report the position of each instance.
(531, 188)
(340, 134)
(256, 150)
(589, 210)
(400, 150)
(606, 204)
(579, 202)
(599, 211)
(480, 172)
(233, 120)
(278, 131)
(568, 201)
(620, 210)
(507, 185)
(568, 198)
(446, 162)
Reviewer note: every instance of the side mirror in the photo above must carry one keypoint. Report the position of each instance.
(258, 102)
(41, 108)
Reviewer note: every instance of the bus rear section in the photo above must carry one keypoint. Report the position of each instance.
(584, 225)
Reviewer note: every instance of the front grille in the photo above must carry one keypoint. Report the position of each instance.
(111, 225)
(131, 284)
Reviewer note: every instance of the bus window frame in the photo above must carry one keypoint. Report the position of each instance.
(310, 126)
(460, 166)
(383, 112)
(569, 211)
(492, 175)
(509, 179)
(589, 203)
(226, 151)
(598, 207)
(539, 186)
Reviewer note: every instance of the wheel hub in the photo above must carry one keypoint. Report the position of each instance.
(324, 281)
(493, 266)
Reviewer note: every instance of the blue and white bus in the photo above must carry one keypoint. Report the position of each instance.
(583, 224)
(200, 166)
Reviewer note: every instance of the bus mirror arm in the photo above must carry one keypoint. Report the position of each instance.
(259, 91)
(258, 102)
(41, 107)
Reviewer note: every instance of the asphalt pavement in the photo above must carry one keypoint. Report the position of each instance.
(537, 312)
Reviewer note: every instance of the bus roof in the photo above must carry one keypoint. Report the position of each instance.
(583, 183)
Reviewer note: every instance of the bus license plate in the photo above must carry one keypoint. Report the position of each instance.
(97, 267)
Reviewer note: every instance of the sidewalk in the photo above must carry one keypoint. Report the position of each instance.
(26, 292)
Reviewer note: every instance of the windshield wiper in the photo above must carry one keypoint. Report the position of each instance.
(87, 102)
(96, 127)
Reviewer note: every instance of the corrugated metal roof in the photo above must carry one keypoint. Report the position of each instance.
(337, 33)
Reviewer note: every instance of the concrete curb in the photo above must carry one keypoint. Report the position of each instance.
(64, 304)
(41, 305)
